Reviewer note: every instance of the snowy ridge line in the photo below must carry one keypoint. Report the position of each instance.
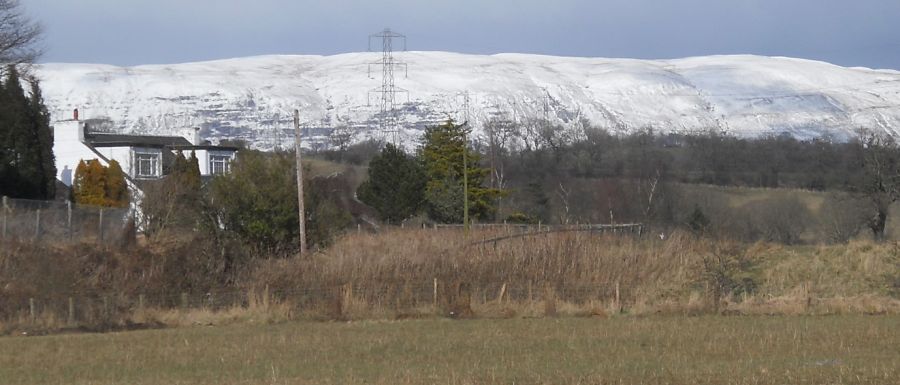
(251, 98)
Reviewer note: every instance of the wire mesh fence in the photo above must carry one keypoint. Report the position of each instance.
(61, 222)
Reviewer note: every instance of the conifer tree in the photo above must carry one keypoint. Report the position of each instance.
(27, 167)
(395, 186)
(40, 123)
(97, 185)
(443, 157)
(191, 176)
(21, 144)
(116, 188)
(78, 181)
(89, 186)
(185, 173)
(9, 176)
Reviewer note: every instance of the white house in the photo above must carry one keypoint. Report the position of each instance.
(142, 157)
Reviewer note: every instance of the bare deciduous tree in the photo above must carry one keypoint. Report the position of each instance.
(880, 177)
(499, 134)
(19, 35)
(342, 136)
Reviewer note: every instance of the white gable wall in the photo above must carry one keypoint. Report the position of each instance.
(121, 155)
(202, 160)
(69, 149)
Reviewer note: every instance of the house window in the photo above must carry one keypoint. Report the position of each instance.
(146, 165)
(219, 164)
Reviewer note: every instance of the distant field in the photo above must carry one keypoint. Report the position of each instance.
(814, 201)
(653, 350)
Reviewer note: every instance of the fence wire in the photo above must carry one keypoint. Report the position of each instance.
(54, 222)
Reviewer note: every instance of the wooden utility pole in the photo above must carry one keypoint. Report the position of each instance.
(465, 184)
(465, 128)
(300, 184)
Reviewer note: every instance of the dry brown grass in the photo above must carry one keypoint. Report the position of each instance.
(260, 309)
(393, 274)
(398, 270)
(406, 273)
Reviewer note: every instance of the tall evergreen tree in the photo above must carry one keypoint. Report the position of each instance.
(185, 174)
(27, 167)
(22, 141)
(443, 154)
(9, 176)
(40, 123)
(192, 172)
(395, 186)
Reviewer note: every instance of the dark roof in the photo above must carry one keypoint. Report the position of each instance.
(118, 140)
(206, 147)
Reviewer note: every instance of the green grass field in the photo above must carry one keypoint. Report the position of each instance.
(652, 350)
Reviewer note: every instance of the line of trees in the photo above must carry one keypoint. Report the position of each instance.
(555, 175)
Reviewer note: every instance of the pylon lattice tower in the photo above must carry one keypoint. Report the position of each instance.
(388, 120)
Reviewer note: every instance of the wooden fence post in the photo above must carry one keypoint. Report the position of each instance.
(618, 298)
(434, 296)
(502, 293)
(69, 219)
(100, 228)
(37, 224)
(530, 291)
(71, 319)
(32, 311)
(140, 302)
(184, 301)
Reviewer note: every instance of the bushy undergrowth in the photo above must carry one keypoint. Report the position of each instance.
(413, 273)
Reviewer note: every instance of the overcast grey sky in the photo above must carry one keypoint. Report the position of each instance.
(129, 32)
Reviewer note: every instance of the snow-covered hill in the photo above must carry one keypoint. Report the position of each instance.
(253, 98)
